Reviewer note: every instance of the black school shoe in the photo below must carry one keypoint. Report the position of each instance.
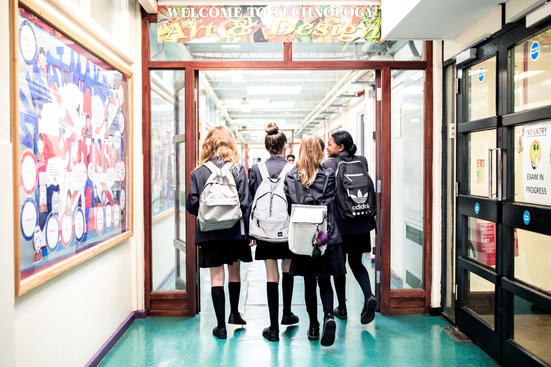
(328, 334)
(220, 332)
(341, 313)
(289, 319)
(271, 335)
(314, 331)
(235, 318)
(368, 312)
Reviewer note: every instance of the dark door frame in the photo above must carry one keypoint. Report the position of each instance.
(506, 213)
(177, 303)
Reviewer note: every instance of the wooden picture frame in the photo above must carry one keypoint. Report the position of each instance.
(71, 130)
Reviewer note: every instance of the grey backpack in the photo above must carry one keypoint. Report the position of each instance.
(269, 219)
(219, 206)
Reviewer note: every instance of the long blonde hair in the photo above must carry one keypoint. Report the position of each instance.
(310, 156)
(220, 143)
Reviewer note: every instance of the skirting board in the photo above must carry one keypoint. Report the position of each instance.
(114, 338)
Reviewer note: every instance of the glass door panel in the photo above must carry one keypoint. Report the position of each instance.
(532, 254)
(167, 159)
(481, 241)
(407, 176)
(532, 163)
(532, 72)
(532, 328)
(481, 90)
(480, 296)
(480, 151)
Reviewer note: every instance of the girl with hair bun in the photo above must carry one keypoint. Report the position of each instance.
(354, 232)
(224, 246)
(273, 168)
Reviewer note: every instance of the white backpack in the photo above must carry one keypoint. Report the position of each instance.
(219, 206)
(306, 221)
(269, 220)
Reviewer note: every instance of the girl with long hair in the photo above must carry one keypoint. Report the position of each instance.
(355, 235)
(276, 143)
(226, 246)
(316, 184)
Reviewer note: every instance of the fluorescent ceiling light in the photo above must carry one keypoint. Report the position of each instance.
(274, 90)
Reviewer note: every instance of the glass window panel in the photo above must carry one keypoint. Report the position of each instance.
(532, 328)
(481, 90)
(480, 298)
(478, 171)
(532, 72)
(387, 50)
(481, 241)
(407, 177)
(532, 163)
(167, 119)
(212, 51)
(533, 259)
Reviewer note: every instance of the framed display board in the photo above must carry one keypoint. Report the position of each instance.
(71, 133)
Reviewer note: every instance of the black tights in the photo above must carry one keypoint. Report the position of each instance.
(361, 275)
(310, 297)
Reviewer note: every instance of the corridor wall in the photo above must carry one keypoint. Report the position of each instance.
(66, 320)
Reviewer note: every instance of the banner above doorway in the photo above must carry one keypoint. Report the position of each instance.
(269, 23)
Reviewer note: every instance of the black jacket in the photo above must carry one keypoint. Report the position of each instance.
(198, 179)
(315, 195)
(274, 166)
(356, 226)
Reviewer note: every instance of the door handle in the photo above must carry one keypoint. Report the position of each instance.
(500, 163)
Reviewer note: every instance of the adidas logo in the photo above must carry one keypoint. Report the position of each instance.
(359, 198)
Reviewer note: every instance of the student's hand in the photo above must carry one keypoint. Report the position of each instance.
(252, 243)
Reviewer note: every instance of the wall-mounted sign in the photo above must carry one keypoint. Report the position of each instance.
(269, 23)
(71, 153)
(536, 145)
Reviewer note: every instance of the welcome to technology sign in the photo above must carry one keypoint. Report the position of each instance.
(269, 23)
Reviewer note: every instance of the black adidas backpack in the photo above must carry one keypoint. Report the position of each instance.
(355, 195)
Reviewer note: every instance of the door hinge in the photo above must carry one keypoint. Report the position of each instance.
(456, 189)
(378, 277)
(455, 295)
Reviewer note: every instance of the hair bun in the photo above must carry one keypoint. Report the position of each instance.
(271, 128)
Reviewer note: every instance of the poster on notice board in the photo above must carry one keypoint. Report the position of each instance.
(72, 149)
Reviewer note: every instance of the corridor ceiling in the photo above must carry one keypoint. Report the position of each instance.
(296, 100)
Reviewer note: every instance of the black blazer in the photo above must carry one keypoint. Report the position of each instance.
(356, 226)
(198, 179)
(315, 195)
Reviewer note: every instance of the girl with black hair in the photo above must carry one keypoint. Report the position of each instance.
(355, 232)
(273, 168)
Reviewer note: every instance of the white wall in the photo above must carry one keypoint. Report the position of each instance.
(86, 304)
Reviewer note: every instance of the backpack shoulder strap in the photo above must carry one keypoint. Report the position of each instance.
(263, 170)
(286, 169)
(211, 166)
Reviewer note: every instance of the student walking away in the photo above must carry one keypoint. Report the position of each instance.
(219, 198)
(356, 204)
(269, 226)
(313, 236)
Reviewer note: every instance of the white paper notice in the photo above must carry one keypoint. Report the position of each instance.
(28, 218)
(536, 144)
(49, 119)
(27, 42)
(66, 229)
(116, 215)
(52, 232)
(122, 199)
(28, 172)
(54, 170)
(78, 177)
(108, 216)
(79, 224)
(100, 219)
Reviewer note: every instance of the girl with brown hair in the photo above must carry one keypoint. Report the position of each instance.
(272, 172)
(223, 246)
(317, 187)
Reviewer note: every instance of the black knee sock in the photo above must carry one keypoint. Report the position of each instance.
(234, 288)
(311, 299)
(287, 283)
(326, 293)
(272, 291)
(361, 275)
(340, 288)
(219, 303)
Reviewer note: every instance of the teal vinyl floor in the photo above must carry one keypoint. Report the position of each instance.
(414, 340)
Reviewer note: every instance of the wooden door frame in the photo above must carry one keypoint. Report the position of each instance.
(177, 303)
